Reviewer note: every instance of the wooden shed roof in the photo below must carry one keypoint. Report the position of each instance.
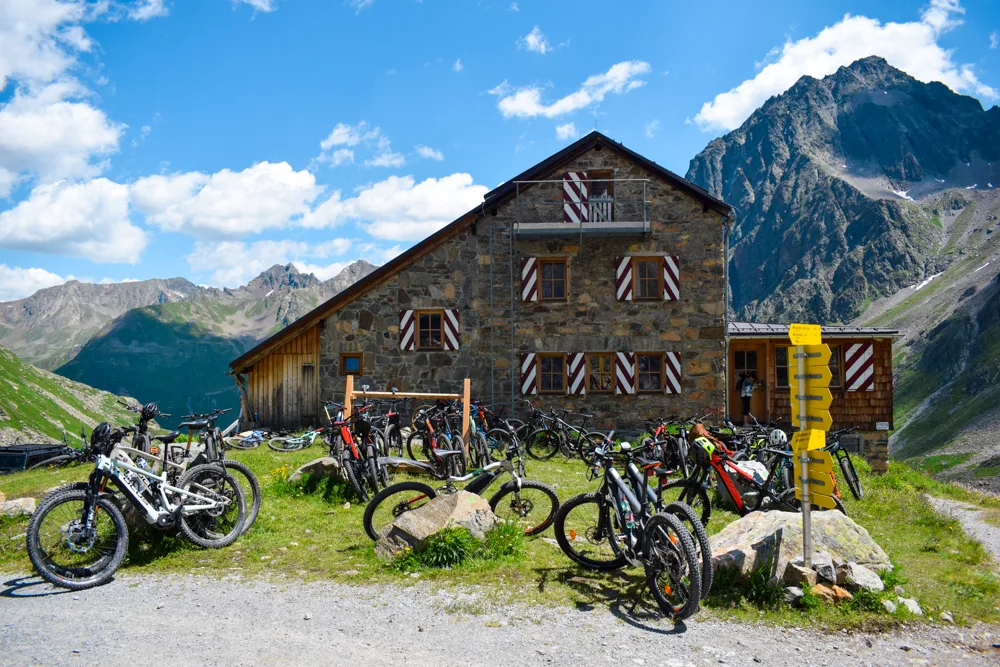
(757, 330)
(493, 200)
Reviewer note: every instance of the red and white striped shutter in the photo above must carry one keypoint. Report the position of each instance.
(529, 279)
(576, 373)
(860, 367)
(671, 278)
(625, 373)
(623, 278)
(452, 329)
(672, 372)
(575, 207)
(529, 373)
(407, 330)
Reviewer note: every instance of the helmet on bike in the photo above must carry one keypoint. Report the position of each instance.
(100, 439)
(777, 438)
(701, 451)
(149, 412)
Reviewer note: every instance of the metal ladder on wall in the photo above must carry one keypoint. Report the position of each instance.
(504, 373)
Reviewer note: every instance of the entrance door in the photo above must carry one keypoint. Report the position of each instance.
(745, 358)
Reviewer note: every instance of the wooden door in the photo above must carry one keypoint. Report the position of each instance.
(746, 357)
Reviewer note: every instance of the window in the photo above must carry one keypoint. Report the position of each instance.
(648, 277)
(429, 330)
(350, 363)
(783, 356)
(552, 373)
(649, 373)
(553, 279)
(600, 373)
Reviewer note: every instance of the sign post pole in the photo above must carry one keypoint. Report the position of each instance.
(800, 352)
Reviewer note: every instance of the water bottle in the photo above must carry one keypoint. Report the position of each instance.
(629, 516)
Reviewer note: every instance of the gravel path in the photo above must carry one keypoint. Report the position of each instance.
(968, 515)
(188, 620)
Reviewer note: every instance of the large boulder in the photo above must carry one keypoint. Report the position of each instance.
(412, 529)
(322, 467)
(774, 540)
(17, 507)
(755, 469)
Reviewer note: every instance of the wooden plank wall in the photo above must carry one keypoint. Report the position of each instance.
(850, 408)
(281, 388)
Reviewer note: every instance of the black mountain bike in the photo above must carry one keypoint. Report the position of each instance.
(613, 527)
(568, 438)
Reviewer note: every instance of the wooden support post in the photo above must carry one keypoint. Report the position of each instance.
(348, 395)
(466, 391)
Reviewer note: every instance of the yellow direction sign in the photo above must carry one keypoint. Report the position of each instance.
(808, 440)
(810, 388)
(819, 473)
(805, 334)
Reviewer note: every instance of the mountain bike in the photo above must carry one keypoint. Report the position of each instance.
(844, 460)
(529, 504)
(562, 436)
(358, 457)
(245, 440)
(289, 443)
(78, 538)
(613, 527)
(59, 457)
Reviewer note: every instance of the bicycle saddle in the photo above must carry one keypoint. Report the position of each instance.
(196, 424)
(400, 463)
(168, 438)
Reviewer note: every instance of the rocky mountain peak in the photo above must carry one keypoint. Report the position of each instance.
(279, 276)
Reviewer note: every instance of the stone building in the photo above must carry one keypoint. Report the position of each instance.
(594, 281)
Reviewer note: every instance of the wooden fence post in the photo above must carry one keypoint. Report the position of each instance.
(348, 395)
(466, 391)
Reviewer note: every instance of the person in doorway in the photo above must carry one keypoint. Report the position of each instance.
(747, 386)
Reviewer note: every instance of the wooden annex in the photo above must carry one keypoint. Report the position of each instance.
(284, 388)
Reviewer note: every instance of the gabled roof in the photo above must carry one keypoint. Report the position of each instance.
(493, 200)
(755, 330)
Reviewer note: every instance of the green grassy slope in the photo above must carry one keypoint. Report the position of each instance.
(42, 405)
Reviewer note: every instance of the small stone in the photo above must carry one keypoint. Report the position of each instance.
(347, 505)
(308, 531)
(912, 605)
(793, 594)
(420, 628)
(159, 606)
(855, 577)
(899, 591)
(905, 647)
(17, 507)
(797, 574)
(841, 595)
(76, 597)
(293, 544)
(823, 564)
(946, 616)
(308, 616)
(890, 606)
(829, 593)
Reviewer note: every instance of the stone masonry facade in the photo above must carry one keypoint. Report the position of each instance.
(591, 319)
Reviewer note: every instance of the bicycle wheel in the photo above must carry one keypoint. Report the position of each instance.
(393, 441)
(354, 471)
(498, 441)
(54, 462)
(419, 415)
(248, 481)
(690, 493)
(851, 476)
(371, 471)
(788, 498)
(285, 444)
(415, 445)
(673, 573)
(242, 443)
(692, 522)
(391, 503)
(542, 444)
(64, 553)
(478, 450)
(583, 535)
(220, 526)
(532, 508)
(589, 443)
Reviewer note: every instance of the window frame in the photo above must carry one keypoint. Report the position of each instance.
(564, 261)
(837, 379)
(611, 372)
(659, 278)
(430, 312)
(662, 358)
(539, 357)
(787, 366)
(361, 363)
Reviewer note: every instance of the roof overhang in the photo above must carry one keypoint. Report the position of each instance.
(780, 331)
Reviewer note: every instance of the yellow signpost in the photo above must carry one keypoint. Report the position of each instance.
(809, 389)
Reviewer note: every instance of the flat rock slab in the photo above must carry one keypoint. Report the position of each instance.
(17, 507)
(412, 529)
(775, 539)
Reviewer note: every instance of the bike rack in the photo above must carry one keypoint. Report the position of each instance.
(350, 394)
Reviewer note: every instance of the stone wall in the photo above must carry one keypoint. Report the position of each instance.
(457, 275)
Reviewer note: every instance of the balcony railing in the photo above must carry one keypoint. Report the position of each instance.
(568, 207)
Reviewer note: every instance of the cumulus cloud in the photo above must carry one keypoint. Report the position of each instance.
(39, 39)
(7, 181)
(535, 42)
(17, 283)
(148, 9)
(340, 145)
(235, 263)
(54, 134)
(567, 131)
(399, 208)
(912, 47)
(527, 102)
(385, 157)
(80, 219)
(429, 153)
(226, 203)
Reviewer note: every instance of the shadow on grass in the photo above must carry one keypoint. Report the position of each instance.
(31, 586)
(148, 548)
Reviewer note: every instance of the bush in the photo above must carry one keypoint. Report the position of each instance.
(456, 546)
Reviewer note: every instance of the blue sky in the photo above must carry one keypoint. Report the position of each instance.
(213, 138)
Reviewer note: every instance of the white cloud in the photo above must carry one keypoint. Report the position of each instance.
(340, 146)
(39, 39)
(567, 131)
(226, 203)
(349, 135)
(652, 128)
(7, 181)
(513, 7)
(148, 9)
(234, 263)
(385, 157)
(17, 283)
(51, 133)
(912, 47)
(399, 208)
(80, 219)
(260, 5)
(535, 42)
(994, 39)
(458, 66)
(527, 102)
(429, 153)
(359, 5)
